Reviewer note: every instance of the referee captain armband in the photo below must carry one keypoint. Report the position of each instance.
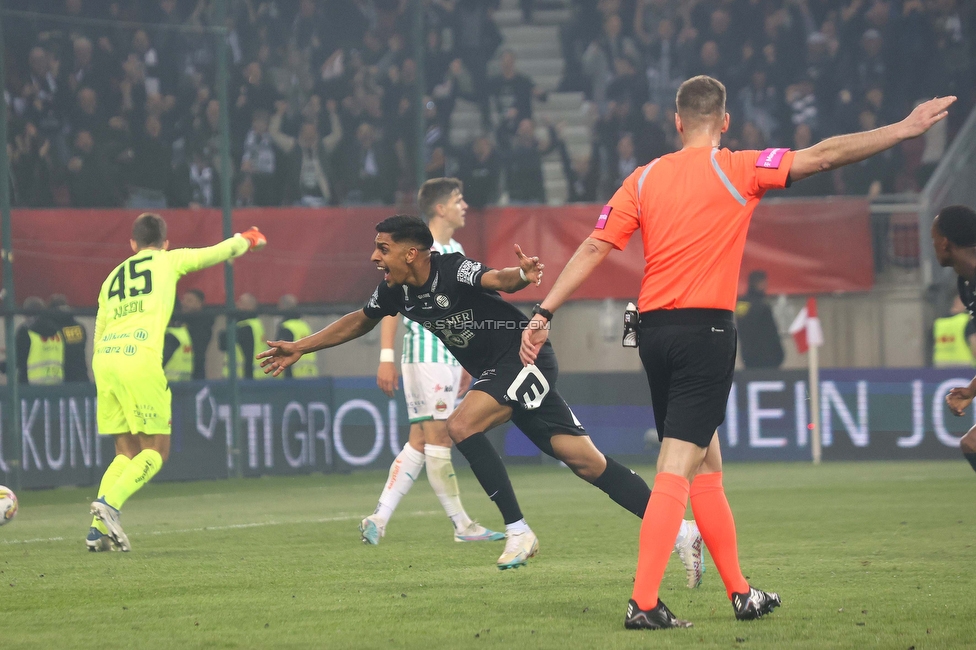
(771, 158)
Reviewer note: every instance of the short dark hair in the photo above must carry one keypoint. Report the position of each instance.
(958, 224)
(411, 229)
(700, 98)
(198, 293)
(434, 192)
(149, 230)
(756, 277)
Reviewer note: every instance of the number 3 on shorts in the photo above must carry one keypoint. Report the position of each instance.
(529, 388)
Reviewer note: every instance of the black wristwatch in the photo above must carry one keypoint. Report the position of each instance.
(545, 313)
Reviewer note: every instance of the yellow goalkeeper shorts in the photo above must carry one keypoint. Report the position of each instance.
(133, 395)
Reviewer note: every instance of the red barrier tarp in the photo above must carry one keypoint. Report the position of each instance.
(322, 255)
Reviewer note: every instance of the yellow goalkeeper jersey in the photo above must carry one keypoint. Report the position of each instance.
(136, 300)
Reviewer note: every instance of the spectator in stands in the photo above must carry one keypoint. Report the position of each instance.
(37, 99)
(476, 38)
(869, 177)
(512, 91)
(309, 173)
(150, 171)
(200, 326)
(523, 170)
(254, 94)
(649, 137)
(758, 334)
(196, 183)
(627, 84)
(626, 159)
(32, 168)
(761, 104)
(370, 167)
(599, 56)
(480, 171)
(75, 337)
(92, 180)
(260, 161)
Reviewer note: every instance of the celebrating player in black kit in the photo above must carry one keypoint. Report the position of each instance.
(457, 299)
(954, 239)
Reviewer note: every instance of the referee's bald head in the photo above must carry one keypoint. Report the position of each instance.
(701, 102)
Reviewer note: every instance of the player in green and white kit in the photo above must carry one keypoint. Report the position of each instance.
(433, 381)
(134, 307)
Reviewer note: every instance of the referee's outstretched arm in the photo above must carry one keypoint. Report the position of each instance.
(846, 149)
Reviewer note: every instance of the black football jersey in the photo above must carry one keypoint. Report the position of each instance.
(967, 293)
(479, 328)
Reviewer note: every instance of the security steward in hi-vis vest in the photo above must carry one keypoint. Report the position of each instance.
(293, 329)
(40, 348)
(178, 353)
(250, 333)
(951, 345)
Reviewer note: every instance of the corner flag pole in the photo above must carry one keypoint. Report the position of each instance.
(814, 382)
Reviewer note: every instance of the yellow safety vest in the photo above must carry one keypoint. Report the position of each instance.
(257, 332)
(307, 367)
(951, 347)
(180, 365)
(45, 359)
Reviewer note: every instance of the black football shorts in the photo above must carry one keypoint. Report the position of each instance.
(538, 410)
(689, 357)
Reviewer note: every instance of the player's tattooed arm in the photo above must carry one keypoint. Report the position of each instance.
(516, 278)
(282, 354)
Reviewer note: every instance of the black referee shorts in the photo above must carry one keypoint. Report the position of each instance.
(689, 357)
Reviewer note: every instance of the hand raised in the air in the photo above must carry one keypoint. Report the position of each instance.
(958, 399)
(278, 356)
(925, 115)
(531, 266)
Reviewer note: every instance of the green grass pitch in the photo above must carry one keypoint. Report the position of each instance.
(864, 555)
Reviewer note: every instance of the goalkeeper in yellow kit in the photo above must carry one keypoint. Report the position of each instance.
(134, 306)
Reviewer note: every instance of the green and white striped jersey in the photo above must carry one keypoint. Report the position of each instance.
(419, 345)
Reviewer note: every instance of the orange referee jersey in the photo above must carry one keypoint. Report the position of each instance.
(693, 208)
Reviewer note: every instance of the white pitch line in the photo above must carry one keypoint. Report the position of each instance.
(259, 524)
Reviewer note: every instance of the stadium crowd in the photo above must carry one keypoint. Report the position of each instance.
(322, 110)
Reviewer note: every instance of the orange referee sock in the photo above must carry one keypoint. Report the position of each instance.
(662, 519)
(714, 519)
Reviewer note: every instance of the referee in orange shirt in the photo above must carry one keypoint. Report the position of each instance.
(693, 209)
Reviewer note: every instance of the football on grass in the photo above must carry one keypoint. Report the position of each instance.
(8, 505)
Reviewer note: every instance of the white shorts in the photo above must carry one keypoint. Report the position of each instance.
(430, 389)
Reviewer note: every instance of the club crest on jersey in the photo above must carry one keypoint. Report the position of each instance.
(442, 301)
(601, 223)
(441, 406)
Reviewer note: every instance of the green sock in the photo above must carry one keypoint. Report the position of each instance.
(111, 475)
(140, 470)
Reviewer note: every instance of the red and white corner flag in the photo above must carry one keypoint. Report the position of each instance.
(806, 328)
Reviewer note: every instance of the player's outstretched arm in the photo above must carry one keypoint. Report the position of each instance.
(387, 377)
(515, 278)
(282, 354)
(586, 258)
(846, 149)
(194, 259)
